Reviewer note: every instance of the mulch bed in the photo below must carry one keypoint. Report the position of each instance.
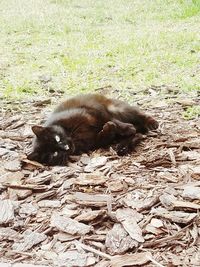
(101, 209)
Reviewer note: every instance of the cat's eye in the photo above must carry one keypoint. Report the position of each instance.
(57, 138)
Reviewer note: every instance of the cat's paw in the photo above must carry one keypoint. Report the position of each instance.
(151, 123)
(109, 126)
(122, 149)
(127, 146)
(129, 130)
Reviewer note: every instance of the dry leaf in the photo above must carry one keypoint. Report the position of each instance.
(194, 233)
(176, 260)
(85, 159)
(167, 176)
(170, 151)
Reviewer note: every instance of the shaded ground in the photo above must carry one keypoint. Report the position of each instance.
(102, 210)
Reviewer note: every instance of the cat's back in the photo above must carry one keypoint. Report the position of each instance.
(87, 101)
(89, 109)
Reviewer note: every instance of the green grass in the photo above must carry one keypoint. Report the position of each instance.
(127, 44)
(189, 8)
(191, 112)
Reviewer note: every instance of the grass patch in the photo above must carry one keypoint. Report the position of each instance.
(192, 113)
(128, 45)
(189, 9)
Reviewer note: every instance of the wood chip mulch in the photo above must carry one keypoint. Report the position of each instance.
(101, 210)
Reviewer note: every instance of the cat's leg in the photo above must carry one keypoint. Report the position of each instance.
(145, 123)
(115, 130)
(130, 138)
(142, 121)
(130, 114)
(124, 129)
(107, 135)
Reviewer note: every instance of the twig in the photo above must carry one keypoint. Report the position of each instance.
(172, 156)
(20, 259)
(21, 253)
(166, 239)
(95, 251)
(27, 186)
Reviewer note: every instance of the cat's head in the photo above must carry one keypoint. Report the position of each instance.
(51, 146)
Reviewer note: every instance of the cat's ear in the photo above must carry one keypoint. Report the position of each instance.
(38, 130)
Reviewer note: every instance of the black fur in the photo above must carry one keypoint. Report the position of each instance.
(87, 122)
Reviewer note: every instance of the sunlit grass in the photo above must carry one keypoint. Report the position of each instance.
(89, 44)
(191, 112)
(189, 8)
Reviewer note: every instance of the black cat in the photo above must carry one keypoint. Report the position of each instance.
(87, 122)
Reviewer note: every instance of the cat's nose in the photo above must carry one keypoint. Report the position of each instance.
(66, 147)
